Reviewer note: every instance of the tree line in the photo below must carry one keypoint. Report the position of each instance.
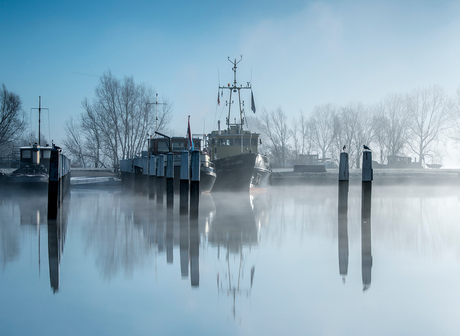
(120, 118)
(412, 124)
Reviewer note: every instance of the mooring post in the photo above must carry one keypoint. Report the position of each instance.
(368, 173)
(53, 184)
(343, 167)
(184, 183)
(169, 180)
(145, 173)
(152, 176)
(160, 178)
(195, 184)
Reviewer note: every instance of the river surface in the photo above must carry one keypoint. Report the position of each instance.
(287, 262)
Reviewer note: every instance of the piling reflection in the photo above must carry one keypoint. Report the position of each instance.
(57, 229)
(366, 250)
(343, 229)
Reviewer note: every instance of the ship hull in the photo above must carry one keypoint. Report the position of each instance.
(241, 173)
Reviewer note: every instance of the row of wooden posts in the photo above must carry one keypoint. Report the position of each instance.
(147, 174)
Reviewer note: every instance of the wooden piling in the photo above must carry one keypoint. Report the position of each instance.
(53, 185)
(160, 178)
(152, 176)
(184, 183)
(368, 173)
(169, 180)
(343, 167)
(195, 184)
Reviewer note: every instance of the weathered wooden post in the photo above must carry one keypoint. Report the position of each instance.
(343, 167)
(368, 173)
(184, 183)
(195, 184)
(152, 176)
(160, 178)
(53, 185)
(145, 173)
(169, 180)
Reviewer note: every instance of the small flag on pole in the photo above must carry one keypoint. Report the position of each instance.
(218, 99)
(253, 106)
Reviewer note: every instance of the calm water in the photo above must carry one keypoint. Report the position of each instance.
(283, 263)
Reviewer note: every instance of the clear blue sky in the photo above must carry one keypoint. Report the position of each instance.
(300, 53)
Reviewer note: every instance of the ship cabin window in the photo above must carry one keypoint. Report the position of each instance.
(222, 142)
(197, 143)
(245, 142)
(178, 145)
(237, 142)
(46, 154)
(26, 154)
(253, 142)
(162, 146)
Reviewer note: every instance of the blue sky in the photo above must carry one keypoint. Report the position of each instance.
(298, 53)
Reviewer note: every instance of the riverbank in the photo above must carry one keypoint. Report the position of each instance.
(287, 177)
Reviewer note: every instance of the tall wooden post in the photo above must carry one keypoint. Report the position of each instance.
(195, 184)
(160, 178)
(152, 176)
(184, 183)
(169, 180)
(368, 173)
(343, 167)
(53, 185)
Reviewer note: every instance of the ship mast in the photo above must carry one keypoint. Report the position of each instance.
(40, 108)
(234, 88)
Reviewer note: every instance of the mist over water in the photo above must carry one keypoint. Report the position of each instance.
(293, 260)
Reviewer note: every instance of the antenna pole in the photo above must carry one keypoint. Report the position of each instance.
(156, 112)
(39, 115)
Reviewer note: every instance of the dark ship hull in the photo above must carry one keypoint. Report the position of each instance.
(241, 173)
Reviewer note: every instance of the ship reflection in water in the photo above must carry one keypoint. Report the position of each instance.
(282, 262)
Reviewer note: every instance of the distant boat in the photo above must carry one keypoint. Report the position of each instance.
(434, 165)
(234, 150)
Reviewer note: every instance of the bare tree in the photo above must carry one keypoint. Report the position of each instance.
(322, 127)
(117, 123)
(454, 129)
(354, 129)
(391, 125)
(429, 111)
(12, 119)
(74, 142)
(274, 126)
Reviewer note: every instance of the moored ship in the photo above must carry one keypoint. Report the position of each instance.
(177, 145)
(33, 171)
(234, 150)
